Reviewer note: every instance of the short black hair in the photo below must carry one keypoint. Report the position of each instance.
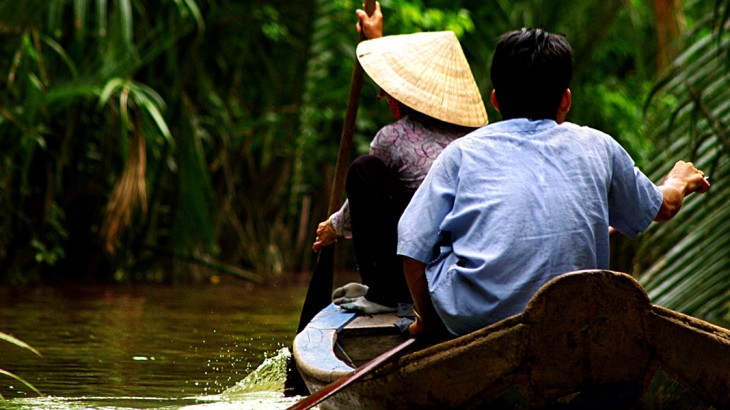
(531, 69)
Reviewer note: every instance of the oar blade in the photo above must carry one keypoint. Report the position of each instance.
(319, 293)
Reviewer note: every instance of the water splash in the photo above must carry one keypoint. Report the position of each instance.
(268, 377)
(262, 389)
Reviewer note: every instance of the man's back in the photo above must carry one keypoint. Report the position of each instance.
(515, 204)
(518, 202)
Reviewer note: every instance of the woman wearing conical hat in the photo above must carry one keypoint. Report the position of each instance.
(433, 96)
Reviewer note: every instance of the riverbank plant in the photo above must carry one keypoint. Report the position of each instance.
(19, 343)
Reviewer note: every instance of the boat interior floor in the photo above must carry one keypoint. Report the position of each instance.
(366, 337)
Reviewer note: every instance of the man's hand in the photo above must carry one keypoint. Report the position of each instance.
(415, 273)
(682, 180)
(370, 26)
(417, 328)
(325, 235)
(685, 175)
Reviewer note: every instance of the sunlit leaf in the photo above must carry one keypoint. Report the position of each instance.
(154, 112)
(109, 88)
(20, 379)
(127, 19)
(13, 340)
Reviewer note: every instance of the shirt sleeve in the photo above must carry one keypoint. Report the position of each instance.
(341, 221)
(419, 229)
(633, 199)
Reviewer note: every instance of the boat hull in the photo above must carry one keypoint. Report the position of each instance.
(588, 339)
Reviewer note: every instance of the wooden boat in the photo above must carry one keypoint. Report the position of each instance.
(587, 340)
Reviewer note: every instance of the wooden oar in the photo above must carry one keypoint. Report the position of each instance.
(320, 287)
(334, 387)
(319, 293)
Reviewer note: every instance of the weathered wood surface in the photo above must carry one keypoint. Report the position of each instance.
(588, 339)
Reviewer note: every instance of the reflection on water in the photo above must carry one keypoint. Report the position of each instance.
(149, 346)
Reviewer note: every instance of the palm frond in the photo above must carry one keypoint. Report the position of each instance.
(17, 342)
(685, 263)
(20, 379)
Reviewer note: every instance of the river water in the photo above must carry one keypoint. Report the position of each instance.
(149, 346)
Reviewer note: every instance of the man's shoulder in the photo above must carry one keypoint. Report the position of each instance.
(495, 134)
(585, 130)
(479, 140)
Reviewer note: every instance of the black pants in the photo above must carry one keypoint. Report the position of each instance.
(377, 199)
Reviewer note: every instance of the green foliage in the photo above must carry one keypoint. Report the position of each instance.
(410, 17)
(70, 84)
(185, 133)
(684, 263)
(619, 113)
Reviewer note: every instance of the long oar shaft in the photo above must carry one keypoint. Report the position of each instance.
(318, 296)
(322, 280)
(348, 127)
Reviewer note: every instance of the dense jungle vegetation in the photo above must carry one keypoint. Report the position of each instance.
(172, 140)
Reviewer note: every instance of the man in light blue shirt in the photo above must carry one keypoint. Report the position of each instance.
(516, 203)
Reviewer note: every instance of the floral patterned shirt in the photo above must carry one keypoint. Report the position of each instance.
(409, 146)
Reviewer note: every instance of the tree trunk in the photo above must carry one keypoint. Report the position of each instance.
(670, 23)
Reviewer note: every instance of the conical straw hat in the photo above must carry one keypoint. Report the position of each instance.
(427, 72)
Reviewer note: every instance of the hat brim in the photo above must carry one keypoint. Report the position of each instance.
(427, 72)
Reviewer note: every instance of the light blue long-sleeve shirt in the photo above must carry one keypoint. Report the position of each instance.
(512, 205)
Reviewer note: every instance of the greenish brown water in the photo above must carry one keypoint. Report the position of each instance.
(148, 346)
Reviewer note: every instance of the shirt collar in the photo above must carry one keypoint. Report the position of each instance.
(522, 125)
